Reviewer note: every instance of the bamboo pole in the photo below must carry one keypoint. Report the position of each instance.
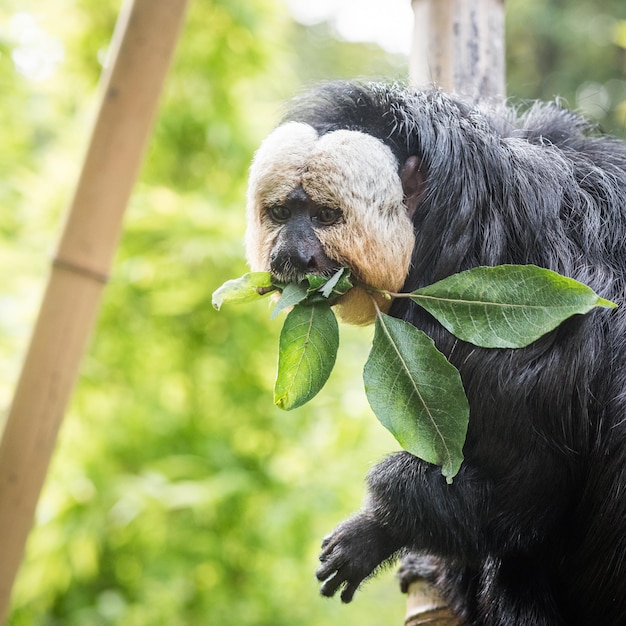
(142, 46)
(459, 46)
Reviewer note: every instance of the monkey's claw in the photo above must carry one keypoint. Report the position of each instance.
(336, 570)
(350, 555)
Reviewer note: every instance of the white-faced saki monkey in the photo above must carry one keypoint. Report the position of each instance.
(406, 187)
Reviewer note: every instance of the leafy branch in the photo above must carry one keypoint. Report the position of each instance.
(414, 391)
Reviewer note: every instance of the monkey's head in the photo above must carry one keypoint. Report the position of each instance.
(318, 203)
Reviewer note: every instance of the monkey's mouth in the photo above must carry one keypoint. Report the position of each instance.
(284, 278)
(330, 285)
(290, 273)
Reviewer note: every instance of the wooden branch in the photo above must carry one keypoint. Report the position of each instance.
(143, 43)
(459, 46)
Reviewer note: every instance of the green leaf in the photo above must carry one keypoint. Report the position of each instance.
(507, 306)
(319, 290)
(243, 289)
(417, 394)
(330, 287)
(293, 293)
(307, 351)
(316, 282)
(338, 284)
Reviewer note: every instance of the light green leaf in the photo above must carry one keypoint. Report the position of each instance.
(307, 351)
(292, 294)
(417, 394)
(329, 287)
(338, 284)
(243, 289)
(314, 290)
(507, 306)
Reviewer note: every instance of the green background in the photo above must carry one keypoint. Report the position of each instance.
(178, 493)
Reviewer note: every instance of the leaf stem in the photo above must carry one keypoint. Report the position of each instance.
(387, 295)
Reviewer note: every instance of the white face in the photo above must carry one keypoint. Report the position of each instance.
(346, 170)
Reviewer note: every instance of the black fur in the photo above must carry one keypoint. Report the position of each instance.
(533, 529)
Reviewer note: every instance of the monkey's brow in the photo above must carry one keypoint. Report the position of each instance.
(298, 195)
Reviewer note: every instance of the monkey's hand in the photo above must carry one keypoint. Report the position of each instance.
(351, 553)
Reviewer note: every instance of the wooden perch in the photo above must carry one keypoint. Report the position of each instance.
(425, 607)
(459, 46)
(142, 46)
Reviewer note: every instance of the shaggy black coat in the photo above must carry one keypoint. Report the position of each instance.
(533, 529)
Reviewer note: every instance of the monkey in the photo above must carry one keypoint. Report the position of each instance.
(405, 187)
(316, 226)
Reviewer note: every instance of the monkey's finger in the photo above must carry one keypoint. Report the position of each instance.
(328, 550)
(348, 591)
(327, 568)
(328, 543)
(330, 585)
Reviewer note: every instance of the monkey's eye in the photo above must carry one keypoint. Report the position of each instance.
(279, 213)
(327, 216)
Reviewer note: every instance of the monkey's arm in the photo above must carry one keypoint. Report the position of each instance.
(411, 507)
(403, 492)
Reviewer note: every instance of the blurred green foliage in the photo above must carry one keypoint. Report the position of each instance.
(572, 50)
(178, 493)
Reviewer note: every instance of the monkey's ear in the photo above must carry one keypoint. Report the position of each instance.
(413, 183)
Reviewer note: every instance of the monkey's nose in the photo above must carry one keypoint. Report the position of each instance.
(285, 263)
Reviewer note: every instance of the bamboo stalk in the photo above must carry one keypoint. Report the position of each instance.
(459, 46)
(142, 45)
